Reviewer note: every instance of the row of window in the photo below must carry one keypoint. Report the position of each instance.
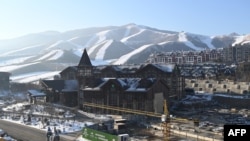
(189, 59)
(85, 72)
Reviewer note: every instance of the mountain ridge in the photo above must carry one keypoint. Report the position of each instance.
(126, 44)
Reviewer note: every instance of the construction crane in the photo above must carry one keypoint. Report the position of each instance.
(165, 122)
(165, 117)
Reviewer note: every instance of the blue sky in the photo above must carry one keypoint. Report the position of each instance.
(206, 17)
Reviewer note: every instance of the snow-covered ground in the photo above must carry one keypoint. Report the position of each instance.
(64, 125)
(10, 68)
(198, 98)
(126, 57)
(62, 122)
(34, 76)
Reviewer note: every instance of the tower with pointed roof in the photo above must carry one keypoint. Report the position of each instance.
(85, 68)
(84, 73)
(85, 61)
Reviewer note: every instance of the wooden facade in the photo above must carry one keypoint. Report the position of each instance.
(35, 95)
(139, 87)
(70, 73)
(64, 92)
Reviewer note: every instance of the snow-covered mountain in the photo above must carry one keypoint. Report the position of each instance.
(51, 51)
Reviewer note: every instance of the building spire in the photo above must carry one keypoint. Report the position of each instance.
(85, 61)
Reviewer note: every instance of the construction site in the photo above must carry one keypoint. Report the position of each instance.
(140, 125)
(195, 117)
(150, 97)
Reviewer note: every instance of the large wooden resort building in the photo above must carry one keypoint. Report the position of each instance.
(112, 88)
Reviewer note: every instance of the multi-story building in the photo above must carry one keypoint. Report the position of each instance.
(237, 53)
(186, 57)
(5, 81)
(138, 87)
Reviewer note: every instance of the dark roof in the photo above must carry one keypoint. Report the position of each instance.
(36, 93)
(74, 68)
(118, 68)
(131, 69)
(61, 85)
(127, 84)
(54, 84)
(85, 61)
(165, 67)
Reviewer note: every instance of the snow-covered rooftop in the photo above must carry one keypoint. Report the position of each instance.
(165, 67)
(36, 93)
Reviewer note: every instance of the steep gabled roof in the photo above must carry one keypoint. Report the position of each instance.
(166, 68)
(36, 93)
(85, 61)
(61, 85)
(54, 84)
(127, 84)
(74, 68)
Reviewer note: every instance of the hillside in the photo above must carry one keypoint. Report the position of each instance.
(52, 51)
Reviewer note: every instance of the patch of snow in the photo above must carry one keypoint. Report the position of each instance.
(58, 54)
(80, 138)
(245, 42)
(24, 48)
(73, 38)
(59, 123)
(52, 55)
(25, 75)
(125, 57)
(14, 61)
(191, 45)
(127, 38)
(36, 76)
(65, 126)
(198, 98)
(92, 49)
(62, 41)
(100, 62)
(231, 96)
(207, 41)
(16, 107)
(90, 41)
(163, 43)
(182, 38)
(127, 32)
(2, 102)
(238, 40)
(76, 45)
(132, 83)
(102, 36)
(14, 67)
(78, 52)
(166, 68)
(7, 138)
(55, 44)
(101, 52)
